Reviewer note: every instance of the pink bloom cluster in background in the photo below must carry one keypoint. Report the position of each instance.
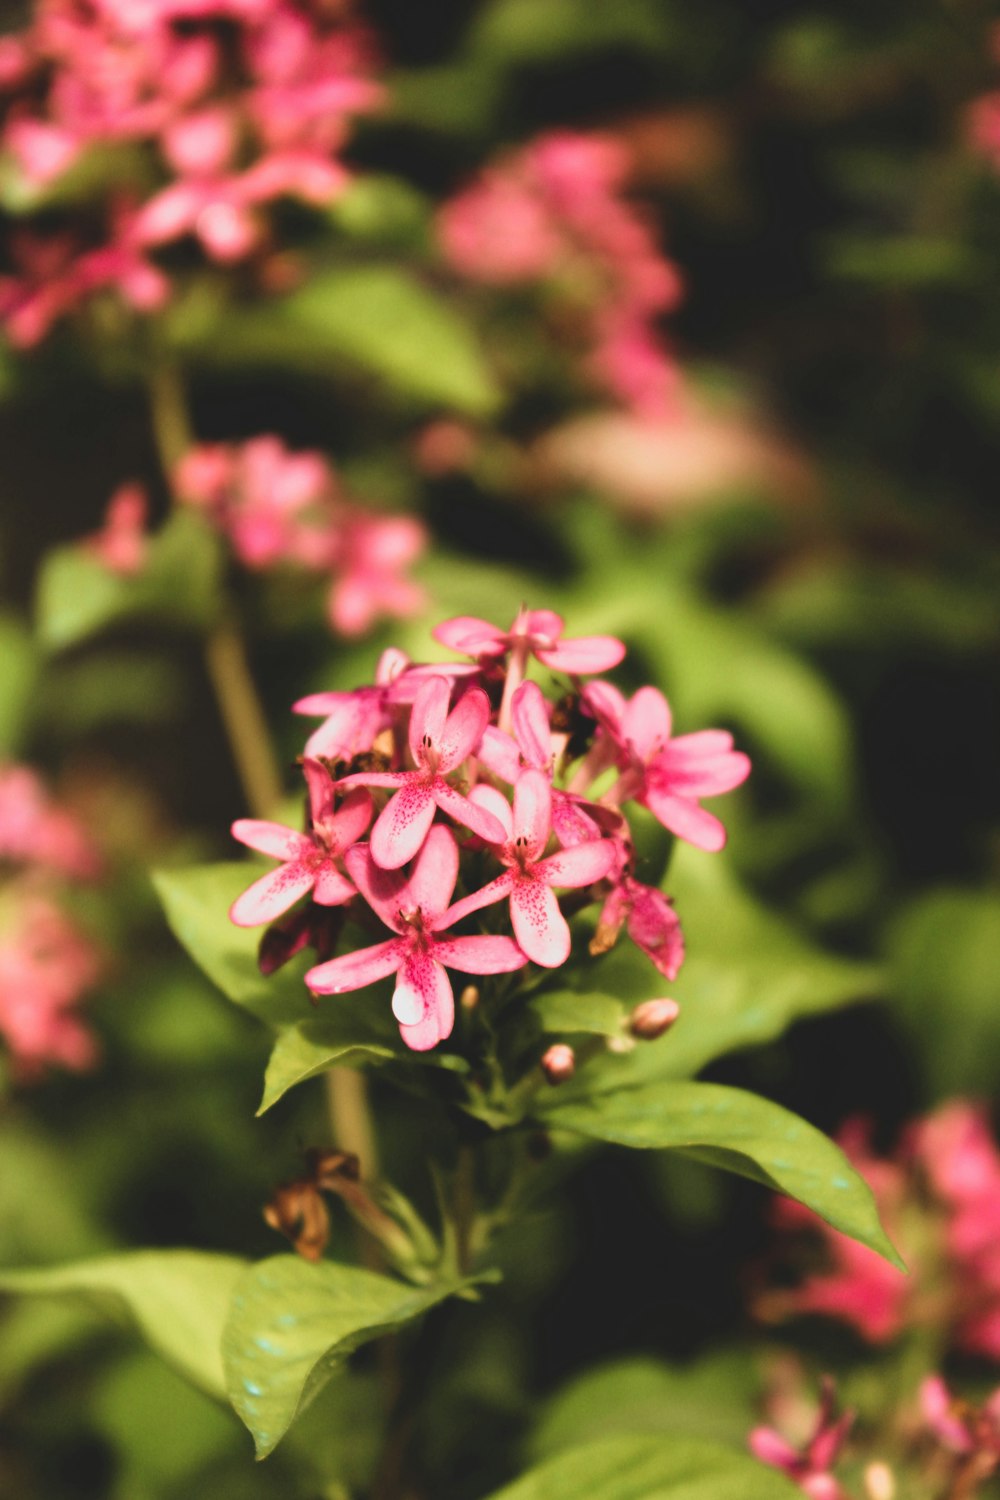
(983, 115)
(46, 963)
(940, 1199)
(810, 1462)
(555, 212)
(472, 777)
(233, 105)
(278, 507)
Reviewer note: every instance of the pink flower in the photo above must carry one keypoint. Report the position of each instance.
(537, 632)
(415, 907)
(371, 554)
(439, 742)
(46, 966)
(122, 543)
(808, 1465)
(37, 833)
(652, 924)
(309, 861)
(969, 1431)
(539, 926)
(669, 776)
(534, 746)
(353, 720)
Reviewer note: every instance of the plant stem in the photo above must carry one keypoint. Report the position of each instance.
(464, 1205)
(243, 717)
(350, 1117)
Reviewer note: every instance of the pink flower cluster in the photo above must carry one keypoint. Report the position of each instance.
(555, 212)
(277, 507)
(469, 770)
(46, 963)
(809, 1463)
(982, 123)
(940, 1198)
(236, 104)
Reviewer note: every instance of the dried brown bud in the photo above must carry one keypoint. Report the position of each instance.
(559, 1063)
(298, 1212)
(652, 1018)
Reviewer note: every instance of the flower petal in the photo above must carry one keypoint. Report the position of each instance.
(271, 838)
(353, 971)
(485, 896)
(540, 928)
(351, 819)
(468, 813)
(428, 716)
(532, 812)
(402, 825)
(499, 754)
(464, 729)
(332, 888)
(581, 864)
(321, 796)
(647, 721)
(380, 888)
(687, 820)
(584, 653)
(530, 718)
(544, 624)
(471, 636)
(433, 874)
(423, 989)
(480, 955)
(426, 1034)
(273, 894)
(496, 804)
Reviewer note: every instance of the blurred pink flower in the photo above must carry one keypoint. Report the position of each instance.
(122, 543)
(46, 966)
(810, 1463)
(35, 832)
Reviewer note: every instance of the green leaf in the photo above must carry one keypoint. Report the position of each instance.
(176, 1299)
(733, 1129)
(17, 679)
(78, 596)
(710, 1398)
(376, 316)
(292, 1324)
(650, 1468)
(747, 976)
(566, 1011)
(197, 902)
(945, 956)
(356, 1029)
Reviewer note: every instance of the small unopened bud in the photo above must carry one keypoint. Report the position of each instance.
(559, 1063)
(880, 1482)
(469, 997)
(652, 1018)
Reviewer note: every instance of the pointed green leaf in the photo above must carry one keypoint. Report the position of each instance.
(292, 1323)
(376, 316)
(197, 902)
(78, 596)
(356, 1029)
(176, 1299)
(747, 976)
(734, 1129)
(650, 1468)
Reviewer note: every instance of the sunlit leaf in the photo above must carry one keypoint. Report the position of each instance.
(727, 1128)
(376, 316)
(17, 677)
(176, 1299)
(293, 1323)
(78, 596)
(650, 1468)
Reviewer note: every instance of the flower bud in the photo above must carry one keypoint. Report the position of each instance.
(652, 1018)
(559, 1063)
